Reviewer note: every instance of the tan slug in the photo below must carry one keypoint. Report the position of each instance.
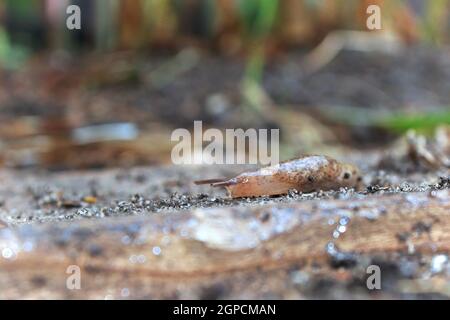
(305, 174)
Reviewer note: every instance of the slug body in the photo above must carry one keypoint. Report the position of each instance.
(305, 174)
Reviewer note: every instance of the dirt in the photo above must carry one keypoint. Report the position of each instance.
(124, 87)
(133, 232)
(62, 196)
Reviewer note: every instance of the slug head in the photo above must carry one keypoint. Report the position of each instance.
(350, 176)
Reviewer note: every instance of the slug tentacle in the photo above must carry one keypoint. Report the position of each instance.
(305, 174)
(210, 181)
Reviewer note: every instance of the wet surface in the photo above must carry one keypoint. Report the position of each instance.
(173, 239)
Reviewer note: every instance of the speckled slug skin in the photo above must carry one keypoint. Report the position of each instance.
(305, 174)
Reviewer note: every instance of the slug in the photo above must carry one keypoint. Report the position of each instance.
(305, 174)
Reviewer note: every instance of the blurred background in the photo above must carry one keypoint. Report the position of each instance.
(111, 93)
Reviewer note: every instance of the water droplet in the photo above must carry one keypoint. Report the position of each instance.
(156, 251)
(133, 259)
(7, 253)
(331, 248)
(141, 258)
(344, 221)
(438, 263)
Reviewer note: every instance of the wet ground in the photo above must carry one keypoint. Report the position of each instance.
(151, 233)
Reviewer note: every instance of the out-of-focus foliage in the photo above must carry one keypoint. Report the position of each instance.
(11, 56)
(396, 122)
(258, 16)
(435, 24)
(421, 122)
(257, 28)
(230, 24)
